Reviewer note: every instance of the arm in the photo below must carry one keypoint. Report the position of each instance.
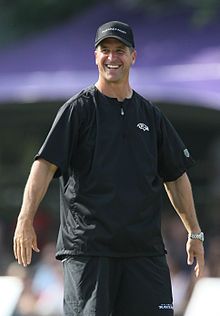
(180, 195)
(25, 238)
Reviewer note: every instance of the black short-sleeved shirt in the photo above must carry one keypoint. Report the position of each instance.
(112, 159)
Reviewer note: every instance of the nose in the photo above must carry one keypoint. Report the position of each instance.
(112, 55)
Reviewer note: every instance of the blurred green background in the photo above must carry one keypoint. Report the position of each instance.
(19, 18)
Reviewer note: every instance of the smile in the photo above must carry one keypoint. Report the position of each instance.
(113, 66)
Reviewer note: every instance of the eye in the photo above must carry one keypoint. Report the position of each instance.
(120, 51)
(104, 50)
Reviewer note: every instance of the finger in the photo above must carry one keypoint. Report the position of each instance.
(28, 255)
(18, 249)
(34, 246)
(24, 256)
(199, 268)
(15, 249)
(190, 258)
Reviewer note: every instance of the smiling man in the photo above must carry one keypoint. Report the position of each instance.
(115, 53)
(114, 60)
(113, 152)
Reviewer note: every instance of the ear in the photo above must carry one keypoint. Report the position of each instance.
(95, 54)
(134, 56)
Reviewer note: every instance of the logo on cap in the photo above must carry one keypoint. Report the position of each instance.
(113, 29)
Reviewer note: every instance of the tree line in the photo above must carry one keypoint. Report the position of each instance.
(19, 18)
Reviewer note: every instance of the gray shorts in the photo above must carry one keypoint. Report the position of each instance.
(103, 286)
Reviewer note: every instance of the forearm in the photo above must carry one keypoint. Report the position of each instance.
(181, 197)
(25, 239)
(36, 188)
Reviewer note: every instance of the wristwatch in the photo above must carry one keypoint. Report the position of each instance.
(199, 236)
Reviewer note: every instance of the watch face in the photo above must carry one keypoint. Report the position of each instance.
(201, 236)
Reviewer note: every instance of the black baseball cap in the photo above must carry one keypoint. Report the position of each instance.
(115, 29)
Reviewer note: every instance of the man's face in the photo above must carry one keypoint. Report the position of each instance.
(114, 60)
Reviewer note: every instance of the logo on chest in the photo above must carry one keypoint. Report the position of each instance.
(143, 126)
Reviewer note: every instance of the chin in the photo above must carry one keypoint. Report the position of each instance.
(112, 79)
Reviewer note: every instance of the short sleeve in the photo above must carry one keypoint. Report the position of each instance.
(174, 158)
(61, 141)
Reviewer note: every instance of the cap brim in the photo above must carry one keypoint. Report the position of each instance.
(113, 36)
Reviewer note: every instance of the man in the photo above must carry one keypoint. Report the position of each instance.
(112, 151)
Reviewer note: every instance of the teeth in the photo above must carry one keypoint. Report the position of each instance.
(113, 66)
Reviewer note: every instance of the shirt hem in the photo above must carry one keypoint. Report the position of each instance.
(60, 255)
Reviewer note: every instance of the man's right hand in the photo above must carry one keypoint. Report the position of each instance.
(25, 241)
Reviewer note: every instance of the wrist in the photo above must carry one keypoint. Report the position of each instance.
(198, 236)
(25, 218)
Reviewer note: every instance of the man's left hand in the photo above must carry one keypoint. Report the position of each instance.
(195, 251)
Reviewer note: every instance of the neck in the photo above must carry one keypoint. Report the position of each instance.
(114, 90)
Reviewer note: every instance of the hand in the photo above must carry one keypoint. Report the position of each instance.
(195, 250)
(24, 242)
